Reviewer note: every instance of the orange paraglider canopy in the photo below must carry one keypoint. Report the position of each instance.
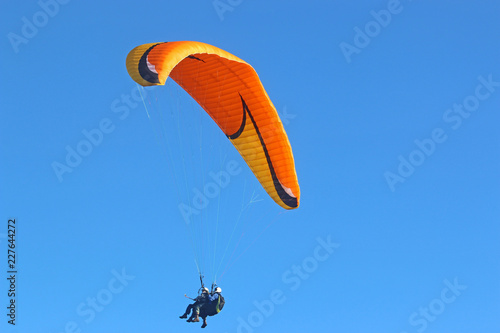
(230, 91)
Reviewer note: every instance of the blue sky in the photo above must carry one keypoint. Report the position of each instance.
(391, 109)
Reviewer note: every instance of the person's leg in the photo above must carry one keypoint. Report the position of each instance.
(188, 310)
(196, 312)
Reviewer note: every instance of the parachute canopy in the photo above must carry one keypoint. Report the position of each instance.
(230, 91)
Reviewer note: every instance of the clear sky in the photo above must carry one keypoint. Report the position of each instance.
(391, 109)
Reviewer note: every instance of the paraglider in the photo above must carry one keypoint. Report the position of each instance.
(230, 92)
(206, 304)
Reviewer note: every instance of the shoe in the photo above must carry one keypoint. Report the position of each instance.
(193, 319)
